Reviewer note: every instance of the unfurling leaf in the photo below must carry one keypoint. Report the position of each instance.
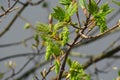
(64, 35)
(65, 2)
(48, 50)
(100, 17)
(93, 7)
(73, 7)
(58, 13)
(57, 66)
(77, 72)
(59, 25)
(83, 4)
(42, 28)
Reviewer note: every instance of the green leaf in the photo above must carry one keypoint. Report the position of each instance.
(105, 9)
(116, 2)
(93, 7)
(56, 49)
(64, 35)
(100, 16)
(27, 26)
(1, 76)
(43, 28)
(73, 7)
(58, 13)
(57, 66)
(59, 25)
(48, 50)
(52, 48)
(83, 4)
(101, 21)
(65, 2)
(77, 72)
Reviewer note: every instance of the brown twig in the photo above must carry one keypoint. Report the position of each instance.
(13, 20)
(66, 56)
(9, 9)
(107, 31)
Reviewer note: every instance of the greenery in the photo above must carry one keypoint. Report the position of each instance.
(54, 38)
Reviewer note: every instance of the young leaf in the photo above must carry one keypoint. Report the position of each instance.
(56, 49)
(100, 17)
(40, 27)
(60, 25)
(64, 35)
(77, 72)
(93, 7)
(83, 4)
(65, 2)
(105, 9)
(57, 66)
(101, 21)
(73, 7)
(58, 13)
(48, 50)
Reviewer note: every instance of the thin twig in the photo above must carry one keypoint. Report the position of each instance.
(9, 9)
(20, 55)
(107, 31)
(16, 43)
(13, 20)
(65, 58)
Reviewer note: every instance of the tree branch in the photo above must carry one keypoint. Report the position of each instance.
(16, 43)
(13, 20)
(20, 55)
(101, 57)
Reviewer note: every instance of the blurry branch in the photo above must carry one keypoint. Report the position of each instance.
(84, 41)
(31, 3)
(21, 69)
(35, 3)
(17, 14)
(9, 9)
(16, 43)
(101, 56)
(13, 20)
(95, 59)
(90, 56)
(20, 55)
(101, 34)
(32, 70)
